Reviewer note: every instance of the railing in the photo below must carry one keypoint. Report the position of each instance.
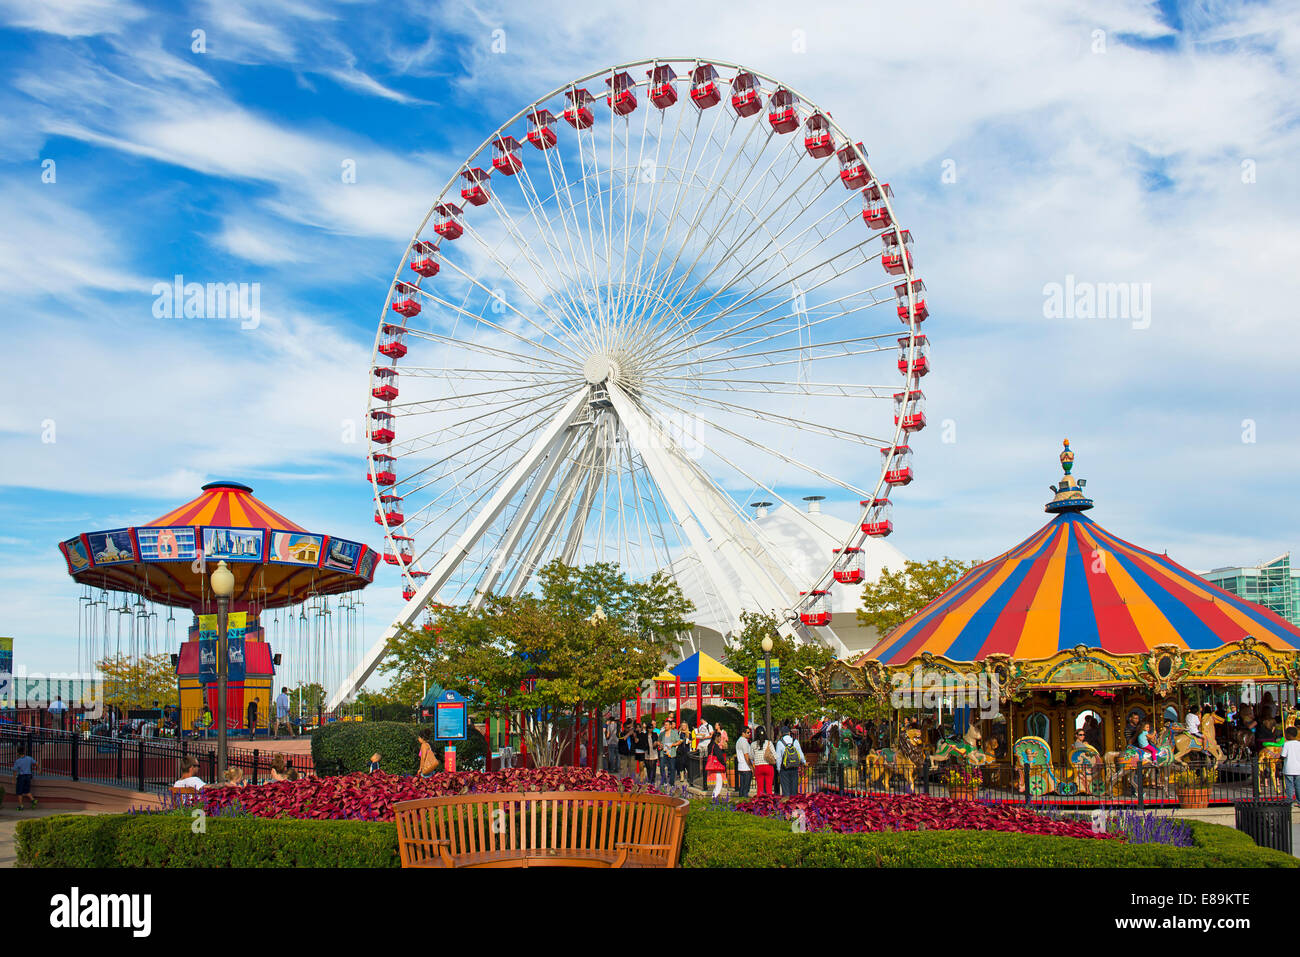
(143, 764)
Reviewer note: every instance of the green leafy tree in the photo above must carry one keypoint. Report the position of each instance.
(306, 698)
(139, 682)
(898, 595)
(586, 638)
(795, 699)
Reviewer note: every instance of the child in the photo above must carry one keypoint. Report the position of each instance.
(374, 762)
(235, 776)
(1144, 741)
(24, 768)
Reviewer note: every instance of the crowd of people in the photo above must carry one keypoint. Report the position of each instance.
(670, 755)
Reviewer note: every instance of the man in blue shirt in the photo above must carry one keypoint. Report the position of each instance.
(281, 710)
(24, 768)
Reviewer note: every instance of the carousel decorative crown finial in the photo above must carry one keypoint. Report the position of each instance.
(1069, 493)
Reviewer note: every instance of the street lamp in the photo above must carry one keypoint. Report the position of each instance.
(767, 682)
(223, 586)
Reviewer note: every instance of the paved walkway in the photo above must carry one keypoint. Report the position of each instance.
(9, 818)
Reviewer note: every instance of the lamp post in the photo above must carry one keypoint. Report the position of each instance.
(767, 683)
(223, 586)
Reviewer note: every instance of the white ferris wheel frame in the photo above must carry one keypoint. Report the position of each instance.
(685, 488)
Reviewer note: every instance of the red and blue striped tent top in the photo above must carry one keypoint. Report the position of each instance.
(1074, 583)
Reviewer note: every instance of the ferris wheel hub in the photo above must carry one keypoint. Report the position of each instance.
(600, 368)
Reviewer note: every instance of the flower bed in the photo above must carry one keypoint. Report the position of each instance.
(910, 812)
(370, 797)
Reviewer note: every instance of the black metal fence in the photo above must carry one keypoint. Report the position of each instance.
(143, 764)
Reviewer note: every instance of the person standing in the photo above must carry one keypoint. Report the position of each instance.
(715, 763)
(640, 745)
(651, 752)
(251, 719)
(703, 735)
(763, 757)
(789, 758)
(626, 766)
(744, 763)
(24, 771)
(1290, 765)
(668, 739)
(282, 711)
(611, 744)
(429, 762)
(683, 752)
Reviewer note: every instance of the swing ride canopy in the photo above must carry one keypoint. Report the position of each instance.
(276, 562)
(1074, 606)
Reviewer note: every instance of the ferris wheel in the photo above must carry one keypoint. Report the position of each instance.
(654, 294)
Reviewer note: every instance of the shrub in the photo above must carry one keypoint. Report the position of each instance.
(353, 742)
(725, 838)
(168, 840)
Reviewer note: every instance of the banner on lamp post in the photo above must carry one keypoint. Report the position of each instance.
(774, 676)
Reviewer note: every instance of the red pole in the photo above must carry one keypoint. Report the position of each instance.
(747, 702)
(677, 682)
(699, 701)
(622, 713)
(638, 705)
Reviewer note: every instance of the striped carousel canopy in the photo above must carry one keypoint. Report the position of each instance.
(1074, 583)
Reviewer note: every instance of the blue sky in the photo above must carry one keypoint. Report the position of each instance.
(1105, 141)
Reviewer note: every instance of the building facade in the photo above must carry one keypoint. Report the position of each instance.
(1271, 584)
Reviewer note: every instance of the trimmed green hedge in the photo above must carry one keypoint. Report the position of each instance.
(398, 745)
(167, 840)
(713, 839)
(734, 839)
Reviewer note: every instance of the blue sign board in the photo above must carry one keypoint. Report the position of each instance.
(762, 679)
(450, 717)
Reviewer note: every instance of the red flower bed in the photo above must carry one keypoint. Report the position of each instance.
(370, 797)
(911, 812)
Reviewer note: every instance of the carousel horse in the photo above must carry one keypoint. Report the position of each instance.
(966, 749)
(1189, 743)
(1132, 758)
(1241, 734)
(901, 761)
(1085, 763)
(1034, 757)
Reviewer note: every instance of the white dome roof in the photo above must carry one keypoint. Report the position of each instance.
(802, 544)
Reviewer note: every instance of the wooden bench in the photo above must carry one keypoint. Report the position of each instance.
(540, 829)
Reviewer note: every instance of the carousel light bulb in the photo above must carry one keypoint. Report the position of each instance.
(223, 581)
(767, 644)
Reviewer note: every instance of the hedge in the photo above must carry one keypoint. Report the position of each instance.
(722, 838)
(713, 839)
(398, 744)
(167, 840)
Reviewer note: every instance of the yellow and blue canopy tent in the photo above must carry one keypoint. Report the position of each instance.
(698, 677)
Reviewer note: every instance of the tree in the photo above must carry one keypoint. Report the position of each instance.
(139, 682)
(306, 698)
(897, 596)
(587, 638)
(795, 699)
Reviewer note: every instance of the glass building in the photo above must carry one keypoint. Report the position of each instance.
(1271, 584)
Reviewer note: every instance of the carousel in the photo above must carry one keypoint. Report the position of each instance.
(1092, 658)
(307, 582)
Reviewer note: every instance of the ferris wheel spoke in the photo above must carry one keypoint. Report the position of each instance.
(440, 436)
(792, 280)
(764, 387)
(738, 204)
(768, 450)
(654, 288)
(559, 363)
(489, 397)
(481, 438)
(588, 298)
(575, 298)
(747, 269)
(750, 323)
(778, 419)
(522, 286)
